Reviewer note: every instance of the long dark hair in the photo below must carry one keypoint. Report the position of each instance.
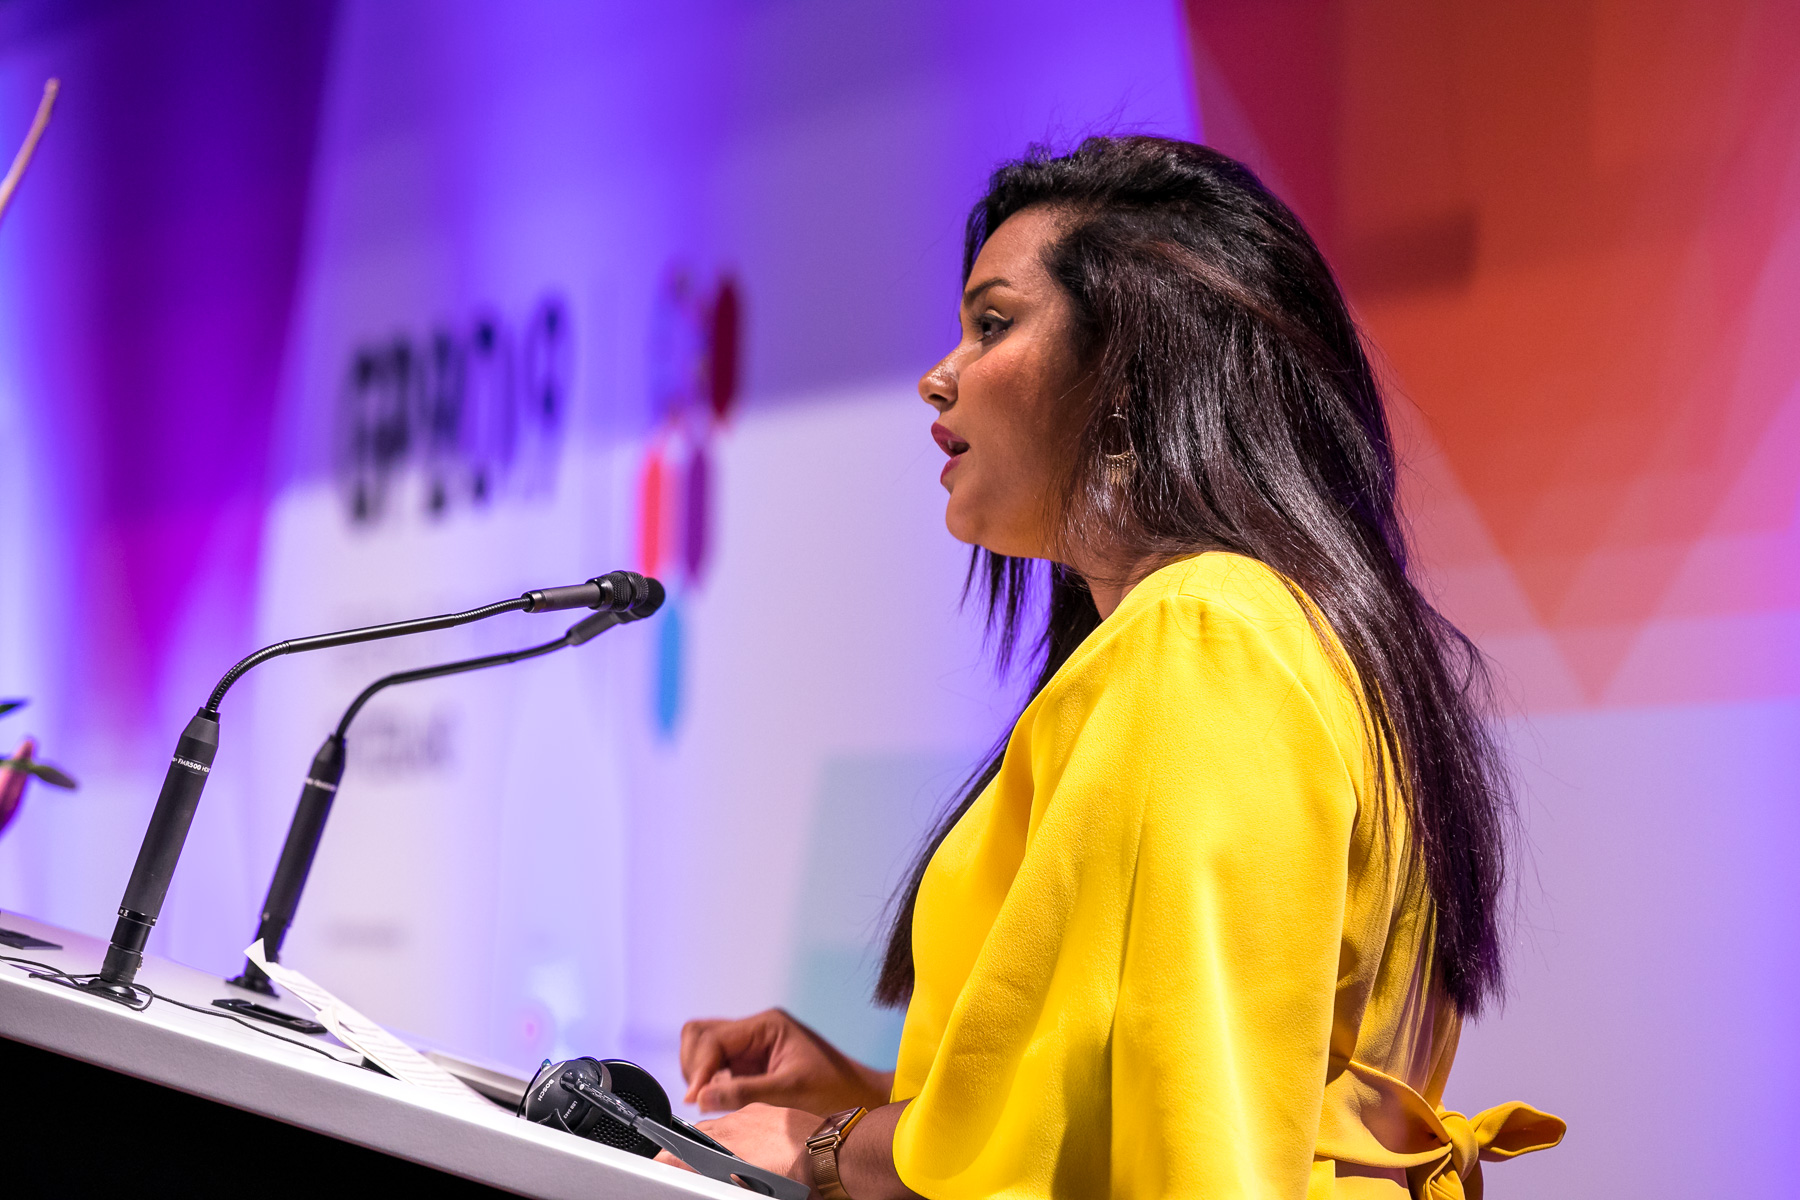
(1223, 357)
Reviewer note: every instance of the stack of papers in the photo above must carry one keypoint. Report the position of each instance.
(371, 1040)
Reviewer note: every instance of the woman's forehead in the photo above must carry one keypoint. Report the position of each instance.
(1014, 251)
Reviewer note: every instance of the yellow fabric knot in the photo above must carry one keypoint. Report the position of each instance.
(1375, 1120)
(1496, 1134)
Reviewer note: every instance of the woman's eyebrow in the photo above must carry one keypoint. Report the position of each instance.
(970, 296)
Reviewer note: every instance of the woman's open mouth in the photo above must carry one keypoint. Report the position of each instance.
(950, 444)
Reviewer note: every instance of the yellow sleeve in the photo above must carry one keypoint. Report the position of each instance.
(1149, 1011)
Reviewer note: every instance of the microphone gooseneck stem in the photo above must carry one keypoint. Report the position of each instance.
(155, 866)
(455, 668)
(320, 789)
(371, 633)
(193, 759)
(303, 835)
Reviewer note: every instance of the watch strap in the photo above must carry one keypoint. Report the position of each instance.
(822, 1151)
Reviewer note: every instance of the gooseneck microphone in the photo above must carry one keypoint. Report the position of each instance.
(640, 597)
(193, 759)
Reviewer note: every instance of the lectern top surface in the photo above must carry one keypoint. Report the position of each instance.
(275, 1076)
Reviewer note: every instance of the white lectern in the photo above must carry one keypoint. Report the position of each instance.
(63, 1119)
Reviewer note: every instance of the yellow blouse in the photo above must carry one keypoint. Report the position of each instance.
(1167, 953)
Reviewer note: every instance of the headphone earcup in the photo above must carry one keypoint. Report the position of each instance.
(546, 1102)
(638, 1088)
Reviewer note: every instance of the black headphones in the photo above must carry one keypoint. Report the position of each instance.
(619, 1104)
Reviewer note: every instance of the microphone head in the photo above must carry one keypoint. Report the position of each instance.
(649, 601)
(627, 593)
(618, 590)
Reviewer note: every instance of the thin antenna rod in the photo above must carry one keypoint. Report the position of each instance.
(22, 159)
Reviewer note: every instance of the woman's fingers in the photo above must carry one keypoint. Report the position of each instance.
(706, 1127)
(702, 1055)
(727, 1091)
(691, 1034)
(742, 1047)
(663, 1156)
(708, 1047)
(769, 1058)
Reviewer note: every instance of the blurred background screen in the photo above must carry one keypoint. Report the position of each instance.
(319, 314)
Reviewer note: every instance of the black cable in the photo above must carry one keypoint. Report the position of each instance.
(58, 975)
(257, 1026)
(46, 968)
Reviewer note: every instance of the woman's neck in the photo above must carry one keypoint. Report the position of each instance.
(1108, 594)
(1110, 585)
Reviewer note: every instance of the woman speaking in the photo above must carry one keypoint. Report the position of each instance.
(1209, 922)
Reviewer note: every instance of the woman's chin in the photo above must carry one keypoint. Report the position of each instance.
(959, 529)
(971, 533)
(965, 524)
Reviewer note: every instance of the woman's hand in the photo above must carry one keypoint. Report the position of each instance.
(763, 1136)
(775, 1139)
(773, 1059)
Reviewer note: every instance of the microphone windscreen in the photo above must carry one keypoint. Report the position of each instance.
(653, 598)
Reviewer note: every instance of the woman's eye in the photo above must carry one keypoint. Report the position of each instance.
(991, 325)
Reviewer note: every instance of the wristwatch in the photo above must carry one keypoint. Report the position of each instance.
(822, 1151)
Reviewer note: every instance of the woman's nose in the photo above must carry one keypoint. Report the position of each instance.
(937, 387)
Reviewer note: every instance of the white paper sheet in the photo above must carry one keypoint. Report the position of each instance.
(371, 1040)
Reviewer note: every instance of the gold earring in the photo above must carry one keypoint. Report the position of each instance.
(1119, 468)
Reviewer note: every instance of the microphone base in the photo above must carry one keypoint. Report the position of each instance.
(127, 994)
(253, 980)
(124, 955)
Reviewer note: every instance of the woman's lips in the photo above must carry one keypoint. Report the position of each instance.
(950, 444)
